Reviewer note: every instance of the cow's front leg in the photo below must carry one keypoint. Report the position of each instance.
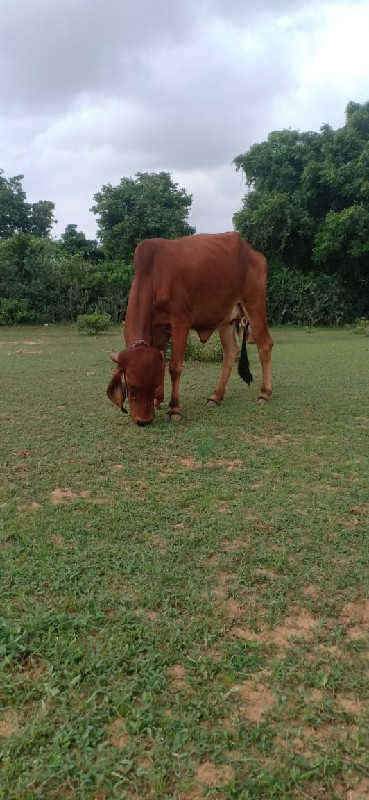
(179, 340)
(228, 340)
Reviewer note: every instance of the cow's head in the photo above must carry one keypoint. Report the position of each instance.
(139, 372)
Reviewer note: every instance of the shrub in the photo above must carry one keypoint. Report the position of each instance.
(93, 323)
(361, 326)
(310, 299)
(13, 312)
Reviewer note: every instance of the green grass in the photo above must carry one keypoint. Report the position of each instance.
(187, 620)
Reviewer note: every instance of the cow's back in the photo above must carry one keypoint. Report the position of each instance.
(200, 276)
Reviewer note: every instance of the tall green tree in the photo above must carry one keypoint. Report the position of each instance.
(73, 241)
(308, 201)
(150, 205)
(18, 216)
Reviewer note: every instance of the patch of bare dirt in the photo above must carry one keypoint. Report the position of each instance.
(224, 507)
(9, 724)
(361, 790)
(32, 668)
(234, 609)
(60, 496)
(152, 615)
(118, 735)
(360, 511)
(211, 775)
(299, 626)
(311, 591)
(248, 635)
(189, 463)
(146, 764)
(157, 540)
(357, 632)
(268, 572)
(358, 611)
(112, 613)
(212, 561)
(258, 699)
(221, 462)
(236, 544)
(351, 705)
(118, 467)
(177, 674)
(33, 506)
(57, 540)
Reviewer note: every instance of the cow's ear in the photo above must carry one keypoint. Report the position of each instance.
(116, 390)
(114, 356)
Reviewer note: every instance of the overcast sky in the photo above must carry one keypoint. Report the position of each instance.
(94, 90)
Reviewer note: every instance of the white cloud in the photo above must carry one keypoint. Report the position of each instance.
(92, 92)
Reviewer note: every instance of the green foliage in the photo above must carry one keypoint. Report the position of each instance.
(308, 204)
(306, 299)
(361, 327)
(54, 285)
(151, 205)
(93, 323)
(16, 215)
(74, 241)
(13, 312)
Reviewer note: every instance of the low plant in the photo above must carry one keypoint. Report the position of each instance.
(93, 323)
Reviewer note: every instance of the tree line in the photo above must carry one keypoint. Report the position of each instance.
(306, 208)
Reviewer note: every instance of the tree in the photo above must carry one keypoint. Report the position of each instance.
(74, 241)
(151, 205)
(308, 201)
(16, 215)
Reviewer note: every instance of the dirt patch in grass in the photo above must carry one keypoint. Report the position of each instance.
(351, 705)
(32, 668)
(9, 724)
(267, 572)
(311, 591)
(211, 775)
(177, 674)
(258, 699)
(118, 735)
(356, 611)
(298, 626)
(361, 790)
(60, 496)
(234, 609)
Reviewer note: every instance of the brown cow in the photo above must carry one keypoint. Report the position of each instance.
(204, 282)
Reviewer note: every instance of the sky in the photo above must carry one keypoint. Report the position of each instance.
(95, 90)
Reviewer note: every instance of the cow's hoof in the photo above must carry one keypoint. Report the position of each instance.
(262, 400)
(170, 417)
(211, 404)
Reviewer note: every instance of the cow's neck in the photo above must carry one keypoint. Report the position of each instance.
(138, 325)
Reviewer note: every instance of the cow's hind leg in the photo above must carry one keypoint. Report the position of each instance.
(229, 345)
(179, 340)
(264, 342)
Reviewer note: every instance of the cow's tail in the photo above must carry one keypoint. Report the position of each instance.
(243, 361)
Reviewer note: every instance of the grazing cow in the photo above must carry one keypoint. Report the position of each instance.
(203, 282)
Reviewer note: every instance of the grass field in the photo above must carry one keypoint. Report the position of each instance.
(184, 608)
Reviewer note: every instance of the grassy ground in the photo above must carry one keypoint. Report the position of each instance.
(184, 608)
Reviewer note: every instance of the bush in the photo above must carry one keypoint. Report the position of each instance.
(13, 312)
(306, 299)
(361, 326)
(93, 323)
